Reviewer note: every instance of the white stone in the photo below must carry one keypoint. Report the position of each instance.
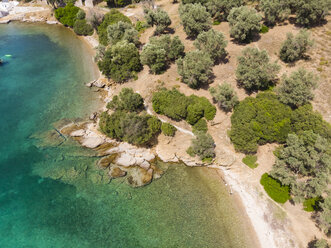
(125, 160)
(145, 165)
(78, 133)
(93, 142)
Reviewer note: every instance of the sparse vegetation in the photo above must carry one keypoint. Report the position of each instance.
(81, 27)
(295, 47)
(254, 69)
(244, 23)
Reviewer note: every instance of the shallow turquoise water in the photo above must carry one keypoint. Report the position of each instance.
(51, 192)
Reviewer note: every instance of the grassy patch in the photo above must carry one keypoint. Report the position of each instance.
(250, 161)
(278, 192)
(311, 204)
(264, 29)
(216, 23)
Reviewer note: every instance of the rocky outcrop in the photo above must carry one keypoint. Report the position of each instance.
(99, 83)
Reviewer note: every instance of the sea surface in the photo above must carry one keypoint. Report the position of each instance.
(51, 192)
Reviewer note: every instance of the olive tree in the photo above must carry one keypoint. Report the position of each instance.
(303, 164)
(254, 69)
(225, 97)
(311, 12)
(159, 18)
(244, 23)
(122, 31)
(160, 51)
(296, 90)
(195, 69)
(203, 146)
(220, 9)
(120, 62)
(294, 47)
(213, 43)
(275, 10)
(195, 19)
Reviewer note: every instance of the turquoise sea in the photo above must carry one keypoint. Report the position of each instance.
(51, 192)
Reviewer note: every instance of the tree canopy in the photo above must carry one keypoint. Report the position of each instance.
(275, 10)
(159, 18)
(127, 100)
(122, 31)
(225, 96)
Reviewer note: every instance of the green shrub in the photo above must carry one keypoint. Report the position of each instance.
(127, 100)
(200, 126)
(168, 129)
(130, 127)
(81, 27)
(120, 62)
(141, 26)
(220, 9)
(259, 120)
(81, 15)
(67, 15)
(122, 31)
(311, 204)
(264, 29)
(215, 23)
(209, 110)
(225, 96)
(274, 189)
(113, 16)
(250, 161)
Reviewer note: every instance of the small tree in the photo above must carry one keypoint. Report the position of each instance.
(244, 23)
(225, 97)
(275, 10)
(220, 9)
(127, 100)
(195, 19)
(203, 146)
(120, 62)
(122, 31)
(213, 43)
(81, 27)
(254, 70)
(195, 69)
(159, 18)
(311, 12)
(294, 48)
(296, 90)
(158, 53)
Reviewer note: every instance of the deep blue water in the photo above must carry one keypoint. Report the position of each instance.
(51, 192)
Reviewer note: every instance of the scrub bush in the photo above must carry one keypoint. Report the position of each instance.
(275, 189)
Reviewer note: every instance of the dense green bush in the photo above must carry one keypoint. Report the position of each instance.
(195, 69)
(296, 90)
(295, 47)
(160, 51)
(113, 16)
(200, 126)
(118, 3)
(250, 161)
(67, 15)
(275, 10)
(304, 164)
(177, 106)
(311, 12)
(275, 189)
(81, 27)
(122, 31)
(225, 96)
(195, 19)
(130, 127)
(254, 69)
(220, 9)
(259, 120)
(168, 129)
(244, 23)
(213, 43)
(311, 204)
(203, 146)
(304, 119)
(81, 15)
(159, 18)
(264, 29)
(127, 100)
(120, 62)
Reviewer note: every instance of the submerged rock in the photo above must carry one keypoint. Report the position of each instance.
(116, 172)
(78, 133)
